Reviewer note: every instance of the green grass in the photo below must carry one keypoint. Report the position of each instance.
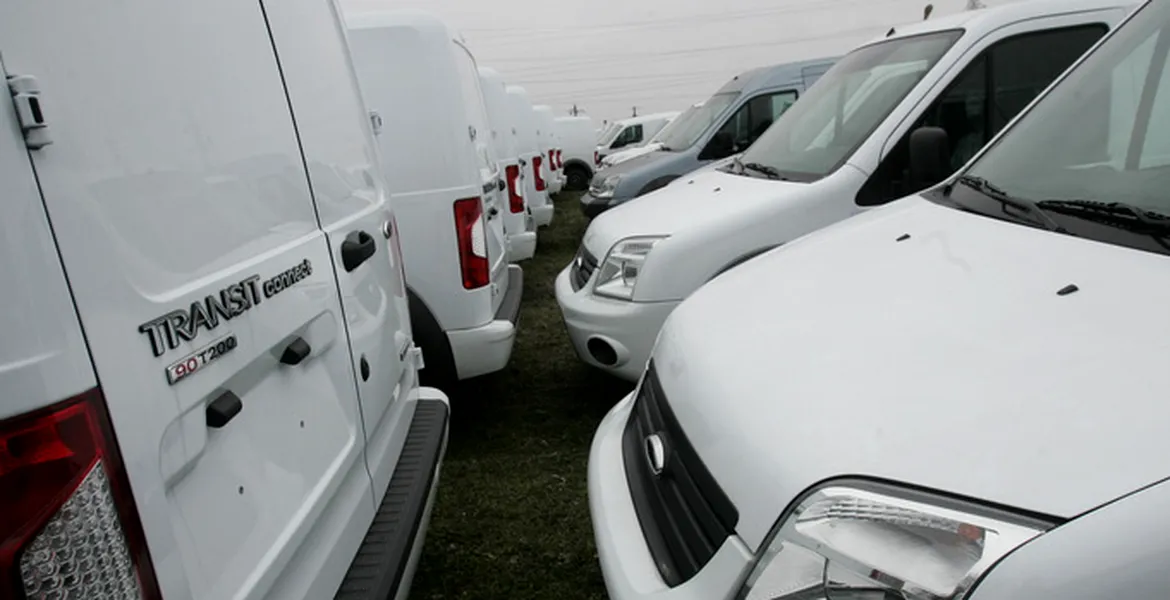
(512, 516)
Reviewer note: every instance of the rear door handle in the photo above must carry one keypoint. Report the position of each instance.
(357, 248)
(223, 409)
(296, 351)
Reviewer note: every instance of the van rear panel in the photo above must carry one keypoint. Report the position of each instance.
(201, 277)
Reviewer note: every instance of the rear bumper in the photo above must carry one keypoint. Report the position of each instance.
(488, 348)
(543, 215)
(521, 246)
(388, 557)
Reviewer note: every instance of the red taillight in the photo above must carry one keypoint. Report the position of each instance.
(552, 160)
(596, 158)
(536, 162)
(472, 236)
(560, 160)
(68, 524)
(515, 199)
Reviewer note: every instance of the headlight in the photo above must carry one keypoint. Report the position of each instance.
(606, 188)
(619, 270)
(879, 543)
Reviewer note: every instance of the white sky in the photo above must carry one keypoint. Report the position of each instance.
(608, 56)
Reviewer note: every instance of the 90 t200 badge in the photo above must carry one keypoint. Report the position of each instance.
(167, 332)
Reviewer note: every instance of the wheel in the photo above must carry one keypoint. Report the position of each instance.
(576, 178)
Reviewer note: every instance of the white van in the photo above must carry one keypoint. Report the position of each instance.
(547, 131)
(447, 189)
(957, 395)
(207, 377)
(577, 146)
(631, 133)
(841, 148)
(531, 157)
(653, 144)
(519, 226)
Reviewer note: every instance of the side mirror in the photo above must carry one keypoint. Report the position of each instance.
(721, 145)
(930, 156)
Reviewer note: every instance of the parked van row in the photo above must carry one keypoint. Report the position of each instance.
(922, 400)
(223, 293)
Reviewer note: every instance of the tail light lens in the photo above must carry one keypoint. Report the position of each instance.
(68, 524)
(560, 160)
(515, 200)
(552, 160)
(596, 158)
(472, 237)
(537, 161)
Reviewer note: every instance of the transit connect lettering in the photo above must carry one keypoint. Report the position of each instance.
(183, 325)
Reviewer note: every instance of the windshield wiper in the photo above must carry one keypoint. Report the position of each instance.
(990, 190)
(1156, 224)
(755, 167)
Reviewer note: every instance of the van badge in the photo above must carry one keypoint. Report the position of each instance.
(200, 358)
(182, 325)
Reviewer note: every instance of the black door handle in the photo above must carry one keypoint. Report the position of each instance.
(492, 212)
(223, 409)
(501, 185)
(295, 352)
(356, 249)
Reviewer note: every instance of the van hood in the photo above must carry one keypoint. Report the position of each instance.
(698, 200)
(946, 361)
(633, 164)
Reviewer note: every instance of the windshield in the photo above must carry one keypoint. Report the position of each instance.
(1102, 134)
(610, 132)
(674, 123)
(823, 129)
(685, 134)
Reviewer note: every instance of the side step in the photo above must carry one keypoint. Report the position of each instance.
(378, 568)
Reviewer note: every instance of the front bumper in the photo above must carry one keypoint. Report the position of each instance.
(591, 205)
(626, 563)
(630, 328)
(488, 348)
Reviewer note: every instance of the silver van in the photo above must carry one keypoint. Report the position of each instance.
(726, 124)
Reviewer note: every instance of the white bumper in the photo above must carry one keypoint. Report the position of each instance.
(630, 328)
(521, 246)
(626, 563)
(482, 350)
(543, 215)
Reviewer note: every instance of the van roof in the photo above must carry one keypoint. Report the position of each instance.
(647, 118)
(773, 75)
(419, 20)
(985, 20)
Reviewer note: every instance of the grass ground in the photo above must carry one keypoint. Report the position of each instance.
(512, 517)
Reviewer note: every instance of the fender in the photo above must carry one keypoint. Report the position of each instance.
(430, 337)
(656, 184)
(742, 259)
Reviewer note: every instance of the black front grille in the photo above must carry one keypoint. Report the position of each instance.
(583, 266)
(684, 514)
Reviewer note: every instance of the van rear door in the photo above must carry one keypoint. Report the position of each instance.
(354, 210)
(178, 198)
(494, 203)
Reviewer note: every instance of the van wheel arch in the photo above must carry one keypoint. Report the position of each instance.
(583, 173)
(744, 258)
(430, 337)
(656, 184)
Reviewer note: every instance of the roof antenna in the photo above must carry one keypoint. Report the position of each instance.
(975, 4)
(929, 9)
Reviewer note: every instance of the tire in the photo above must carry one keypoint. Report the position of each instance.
(576, 178)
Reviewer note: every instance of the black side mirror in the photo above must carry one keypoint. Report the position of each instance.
(721, 145)
(930, 156)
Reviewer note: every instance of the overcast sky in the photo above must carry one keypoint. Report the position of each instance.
(608, 56)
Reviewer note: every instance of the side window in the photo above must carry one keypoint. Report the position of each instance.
(982, 100)
(748, 123)
(630, 135)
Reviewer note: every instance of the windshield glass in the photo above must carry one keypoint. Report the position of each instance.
(1102, 134)
(688, 132)
(674, 123)
(830, 121)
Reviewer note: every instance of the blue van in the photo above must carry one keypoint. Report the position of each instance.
(726, 124)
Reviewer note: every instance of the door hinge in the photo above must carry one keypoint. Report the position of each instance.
(416, 357)
(376, 122)
(26, 96)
